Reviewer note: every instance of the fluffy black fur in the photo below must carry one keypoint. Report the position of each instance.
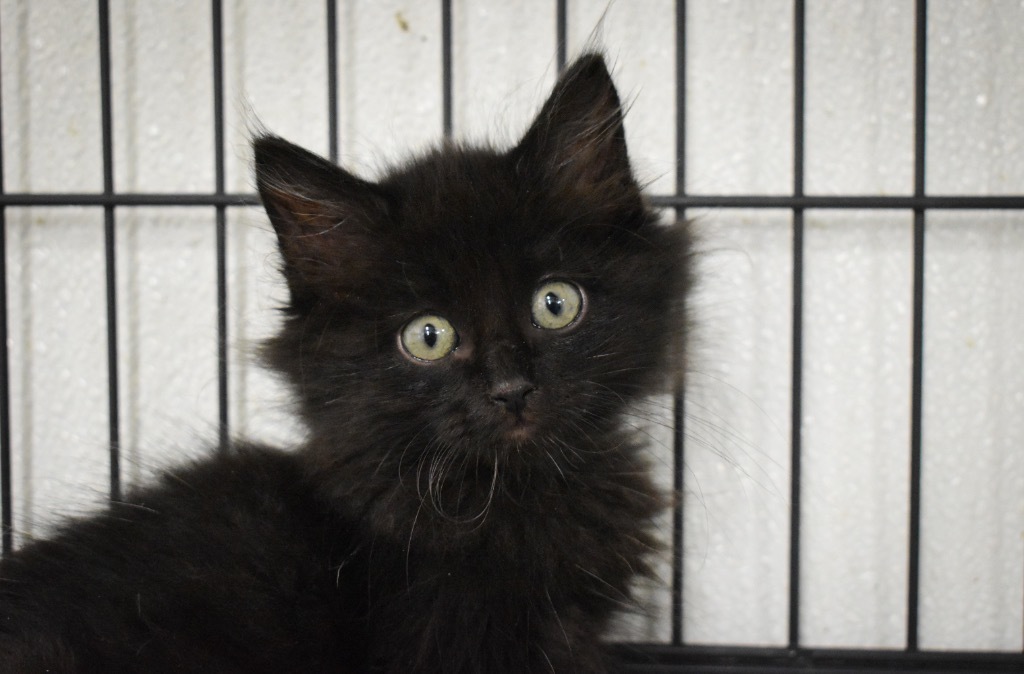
(429, 525)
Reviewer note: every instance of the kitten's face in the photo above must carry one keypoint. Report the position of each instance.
(474, 305)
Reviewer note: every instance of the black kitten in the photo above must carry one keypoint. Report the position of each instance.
(465, 336)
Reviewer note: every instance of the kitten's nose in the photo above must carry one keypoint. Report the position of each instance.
(511, 394)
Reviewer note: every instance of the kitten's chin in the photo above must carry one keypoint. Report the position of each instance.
(521, 432)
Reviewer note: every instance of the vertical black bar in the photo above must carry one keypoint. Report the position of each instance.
(917, 370)
(678, 421)
(798, 302)
(446, 66)
(6, 515)
(332, 79)
(110, 241)
(222, 283)
(5, 398)
(561, 32)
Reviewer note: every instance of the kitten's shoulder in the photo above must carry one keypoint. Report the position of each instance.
(241, 497)
(207, 564)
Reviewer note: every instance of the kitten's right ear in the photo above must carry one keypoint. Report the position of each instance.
(324, 217)
(578, 138)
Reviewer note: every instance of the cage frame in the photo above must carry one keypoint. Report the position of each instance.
(678, 655)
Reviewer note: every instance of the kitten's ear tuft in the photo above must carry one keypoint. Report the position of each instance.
(579, 134)
(324, 216)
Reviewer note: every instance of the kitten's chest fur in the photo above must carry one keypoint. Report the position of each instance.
(526, 584)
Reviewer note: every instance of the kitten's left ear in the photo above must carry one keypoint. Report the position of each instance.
(579, 136)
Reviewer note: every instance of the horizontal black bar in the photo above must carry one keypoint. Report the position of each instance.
(662, 659)
(846, 202)
(135, 199)
(942, 202)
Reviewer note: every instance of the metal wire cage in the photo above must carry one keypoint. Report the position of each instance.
(678, 654)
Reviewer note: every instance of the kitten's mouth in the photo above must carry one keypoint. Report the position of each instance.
(517, 428)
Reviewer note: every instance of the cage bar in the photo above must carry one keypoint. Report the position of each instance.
(684, 201)
(917, 354)
(6, 516)
(561, 33)
(659, 659)
(679, 395)
(110, 253)
(446, 67)
(7, 524)
(221, 223)
(798, 317)
(843, 202)
(332, 80)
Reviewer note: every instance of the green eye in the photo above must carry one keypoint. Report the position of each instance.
(429, 337)
(556, 304)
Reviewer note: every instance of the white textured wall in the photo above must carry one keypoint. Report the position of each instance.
(859, 135)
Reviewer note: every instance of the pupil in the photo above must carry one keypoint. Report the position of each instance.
(429, 335)
(554, 303)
